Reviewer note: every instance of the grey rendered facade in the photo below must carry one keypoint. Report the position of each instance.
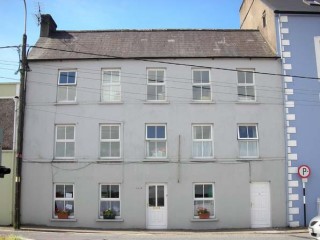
(176, 171)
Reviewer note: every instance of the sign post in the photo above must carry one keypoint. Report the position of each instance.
(304, 172)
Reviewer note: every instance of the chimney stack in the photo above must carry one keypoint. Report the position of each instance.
(48, 25)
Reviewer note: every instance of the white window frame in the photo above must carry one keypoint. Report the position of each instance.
(110, 140)
(201, 85)
(203, 140)
(111, 85)
(64, 140)
(317, 53)
(245, 85)
(148, 140)
(255, 139)
(109, 199)
(212, 215)
(63, 199)
(157, 84)
(67, 85)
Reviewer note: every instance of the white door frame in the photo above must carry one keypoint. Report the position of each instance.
(260, 204)
(159, 213)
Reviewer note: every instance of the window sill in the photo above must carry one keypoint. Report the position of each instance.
(64, 160)
(156, 102)
(247, 102)
(156, 160)
(203, 160)
(104, 160)
(111, 103)
(204, 220)
(249, 159)
(110, 220)
(66, 103)
(64, 220)
(203, 102)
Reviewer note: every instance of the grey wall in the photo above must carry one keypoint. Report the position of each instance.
(231, 175)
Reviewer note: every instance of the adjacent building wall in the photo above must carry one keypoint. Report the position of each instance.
(7, 121)
(230, 175)
(251, 14)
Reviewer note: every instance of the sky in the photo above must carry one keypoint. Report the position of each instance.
(107, 14)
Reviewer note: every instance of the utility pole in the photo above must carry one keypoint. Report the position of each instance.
(22, 98)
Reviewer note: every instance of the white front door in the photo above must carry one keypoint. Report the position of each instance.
(260, 205)
(157, 206)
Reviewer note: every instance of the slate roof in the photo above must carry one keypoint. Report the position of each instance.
(152, 44)
(297, 6)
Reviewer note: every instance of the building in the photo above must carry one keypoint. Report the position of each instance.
(8, 107)
(153, 124)
(291, 27)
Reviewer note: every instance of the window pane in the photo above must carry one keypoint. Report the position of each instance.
(59, 191)
(71, 77)
(63, 78)
(161, 132)
(105, 132)
(151, 131)
(62, 93)
(115, 93)
(104, 205)
(252, 132)
(152, 196)
(70, 149)
(197, 76)
(115, 132)
(59, 205)
(115, 149)
(207, 149)
(242, 92)
(60, 149)
(198, 191)
(161, 149)
(243, 132)
(243, 149)
(208, 191)
(151, 92)
(249, 77)
(253, 148)
(160, 190)
(115, 207)
(197, 149)
(241, 77)
(61, 132)
(151, 76)
(151, 149)
(69, 132)
(205, 76)
(71, 93)
(69, 191)
(115, 76)
(160, 76)
(206, 93)
(160, 92)
(250, 93)
(197, 132)
(115, 191)
(206, 132)
(105, 149)
(107, 77)
(196, 90)
(105, 191)
(69, 206)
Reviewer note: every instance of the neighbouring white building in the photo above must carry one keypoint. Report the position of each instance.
(153, 124)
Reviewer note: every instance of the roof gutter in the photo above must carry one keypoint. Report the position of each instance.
(296, 12)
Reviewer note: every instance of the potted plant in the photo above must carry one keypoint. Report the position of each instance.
(62, 214)
(109, 214)
(203, 213)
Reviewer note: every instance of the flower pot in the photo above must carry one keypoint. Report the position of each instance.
(109, 216)
(62, 215)
(204, 215)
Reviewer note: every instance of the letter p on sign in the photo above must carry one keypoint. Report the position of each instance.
(304, 171)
